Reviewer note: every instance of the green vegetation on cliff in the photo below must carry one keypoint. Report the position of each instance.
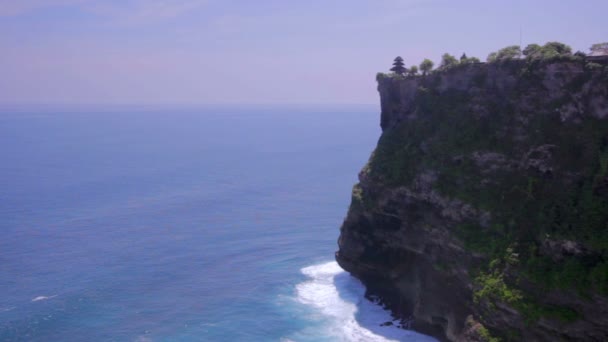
(533, 54)
(550, 182)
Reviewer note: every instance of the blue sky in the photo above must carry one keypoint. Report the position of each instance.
(262, 52)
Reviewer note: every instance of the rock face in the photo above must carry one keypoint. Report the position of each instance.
(483, 211)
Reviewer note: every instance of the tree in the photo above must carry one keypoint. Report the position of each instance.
(463, 58)
(509, 52)
(491, 57)
(447, 61)
(547, 51)
(557, 48)
(600, 48)
(413, 71)
(426, 66)
(504, 54)
(532, 51)
(398, 66)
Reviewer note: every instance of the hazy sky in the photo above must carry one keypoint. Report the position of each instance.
(256, 51)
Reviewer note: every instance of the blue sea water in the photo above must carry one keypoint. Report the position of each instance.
(182, 224)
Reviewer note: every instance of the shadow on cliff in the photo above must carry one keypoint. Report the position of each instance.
(370, 320)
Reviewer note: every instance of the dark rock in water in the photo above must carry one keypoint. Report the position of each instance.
(483, 211)
(386, 324)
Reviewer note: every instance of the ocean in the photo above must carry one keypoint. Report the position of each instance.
(214, 223)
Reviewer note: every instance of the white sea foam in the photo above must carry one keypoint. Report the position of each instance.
(345, 312)
(40, 298)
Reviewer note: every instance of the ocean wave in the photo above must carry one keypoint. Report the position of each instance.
(41, 298)
(346, 314)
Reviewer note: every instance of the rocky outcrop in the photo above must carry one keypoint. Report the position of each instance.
(483, 211)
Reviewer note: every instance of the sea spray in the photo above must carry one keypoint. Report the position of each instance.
(347, 315)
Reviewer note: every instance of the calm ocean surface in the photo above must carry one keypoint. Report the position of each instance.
(211, 224)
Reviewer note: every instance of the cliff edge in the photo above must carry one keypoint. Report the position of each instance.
(483, 212)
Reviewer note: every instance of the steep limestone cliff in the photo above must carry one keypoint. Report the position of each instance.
(483, 211)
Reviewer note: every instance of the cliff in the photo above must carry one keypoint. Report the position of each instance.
(483, 211)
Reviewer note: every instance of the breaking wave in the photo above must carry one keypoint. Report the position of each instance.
(338, 301)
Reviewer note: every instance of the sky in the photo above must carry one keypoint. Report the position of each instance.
(257, 51)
